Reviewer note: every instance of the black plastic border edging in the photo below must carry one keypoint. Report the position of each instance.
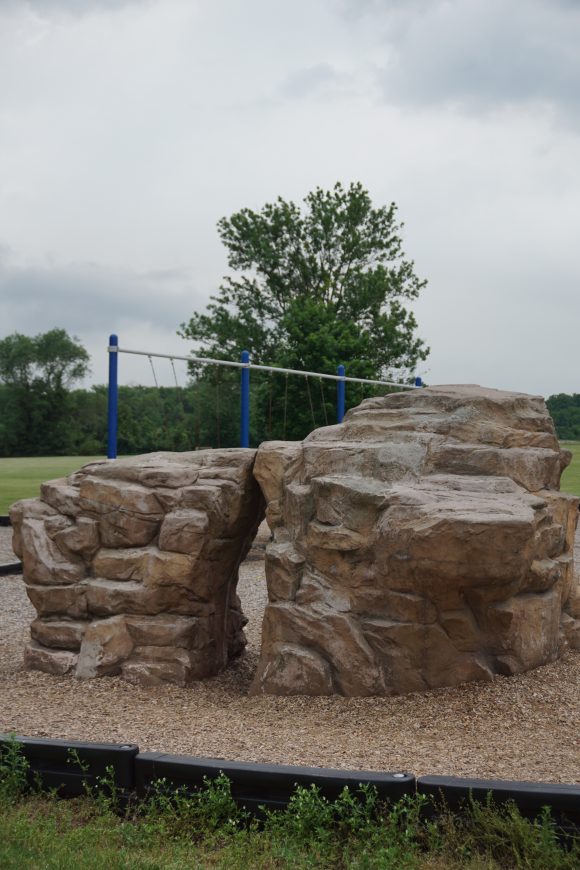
(11, 568)
(529, 797)
(255, 785)
(66, 765)
(270, 785)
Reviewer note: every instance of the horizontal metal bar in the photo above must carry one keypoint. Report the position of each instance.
(201, 359)
(240, 365)
(328, 377)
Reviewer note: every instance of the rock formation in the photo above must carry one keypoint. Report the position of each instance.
(132, 565)
(422, 543)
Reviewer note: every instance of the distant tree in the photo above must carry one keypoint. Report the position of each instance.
(51, 360)
(36, 373)
(565, 412)
(315, 287)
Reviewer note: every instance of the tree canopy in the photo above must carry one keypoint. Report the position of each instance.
(315, 286)
(36, 373)
(565, 412)
(42, 414)
(50, 361)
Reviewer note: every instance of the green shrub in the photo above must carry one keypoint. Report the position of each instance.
(206, 811)
(13, 771)
(500, 834)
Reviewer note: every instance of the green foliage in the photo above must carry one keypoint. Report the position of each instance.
(105, 792)
(51, 360)
(355, 830)
(203, 414)
(503, 837)
(83, 767)
(565, 412)
(207, 811)
(13, 771)
(35, 376)
(316, 287)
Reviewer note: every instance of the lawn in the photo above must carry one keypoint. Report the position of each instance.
(21, 478)
(571, 477)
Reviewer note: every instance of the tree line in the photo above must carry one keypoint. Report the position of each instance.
(565, 412)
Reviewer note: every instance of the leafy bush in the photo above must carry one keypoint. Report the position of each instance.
(207, 811)
(13, 771)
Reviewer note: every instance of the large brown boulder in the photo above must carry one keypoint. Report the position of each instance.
(421, 543)
(132, 565)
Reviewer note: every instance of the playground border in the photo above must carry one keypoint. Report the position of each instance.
(9, 567)
(68, 765)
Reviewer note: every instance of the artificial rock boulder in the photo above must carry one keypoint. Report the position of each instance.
(132, 565)
(421, 543)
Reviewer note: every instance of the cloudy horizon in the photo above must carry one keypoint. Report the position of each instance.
(128, 128)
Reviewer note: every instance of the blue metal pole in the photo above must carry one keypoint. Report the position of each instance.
(418, 382)
(340, 394)
(112, 398)
(245, 402)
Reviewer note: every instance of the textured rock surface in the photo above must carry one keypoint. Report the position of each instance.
(132, 565)
(422, 543)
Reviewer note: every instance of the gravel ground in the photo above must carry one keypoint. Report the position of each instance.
(523, 727)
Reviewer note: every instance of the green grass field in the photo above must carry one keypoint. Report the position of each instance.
(571, 477)
(21, 478)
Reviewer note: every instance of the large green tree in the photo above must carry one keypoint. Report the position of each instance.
(36, 373)
(312, 287)
(327, 282)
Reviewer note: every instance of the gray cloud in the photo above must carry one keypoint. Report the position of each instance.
(91, 302)
(477, 54)
(86, 296)
(356, 10)
(46, 8)
(126, 132)
(315, 80)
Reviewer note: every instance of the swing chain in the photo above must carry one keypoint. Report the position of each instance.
(285, 403)
(310, 402)
(323, 402)
(153, 370)
(217, 405)
(174, 373)
(269, 426)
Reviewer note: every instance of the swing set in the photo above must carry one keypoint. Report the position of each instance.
(245, 367)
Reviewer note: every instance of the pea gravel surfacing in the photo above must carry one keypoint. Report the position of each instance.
(525, 727)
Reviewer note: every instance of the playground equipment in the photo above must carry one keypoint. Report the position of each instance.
(245, 366)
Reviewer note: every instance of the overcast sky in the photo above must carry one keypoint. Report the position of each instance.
(127, 129)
